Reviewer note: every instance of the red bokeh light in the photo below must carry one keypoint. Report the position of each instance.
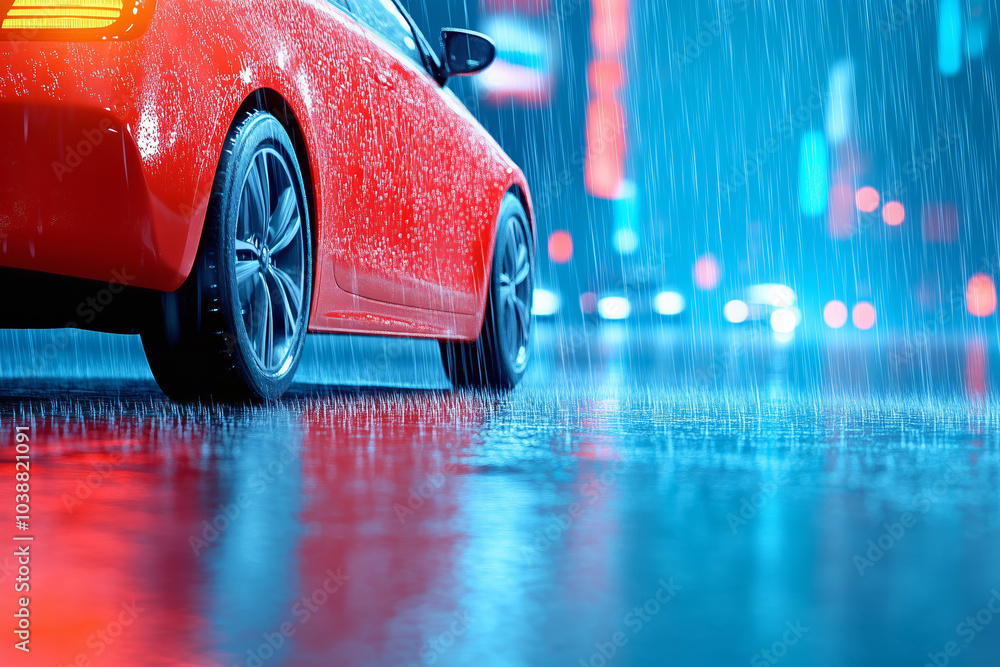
(605, 76)
(609, 30)
(976, 362)
(981, 295)
(835, 314)
(606, 146)
(841, 214)
(867, 199)
(863, 316)
(560, 247)
(707, 272)
(893, 213)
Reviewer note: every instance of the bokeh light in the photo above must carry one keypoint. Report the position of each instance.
(950, 37)
(841, 216)
(707, 272)
(893, 213)
(669, 303)
(863, 316)
(614, 308)
(814, 174)
(545, 303)
(867, 199)
(605, 76)
(784, 320)
(736, 311)
(981, 295)
(835, 314)
(560, 247)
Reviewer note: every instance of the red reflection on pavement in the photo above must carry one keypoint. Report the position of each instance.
(104, 587)
(976, 371)
(382, 480)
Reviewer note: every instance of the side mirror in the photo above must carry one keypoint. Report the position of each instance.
(466, 52)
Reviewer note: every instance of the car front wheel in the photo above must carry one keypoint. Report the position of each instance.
(499, 357)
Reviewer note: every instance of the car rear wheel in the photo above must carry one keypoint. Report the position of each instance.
(500, 356)
(236, 328)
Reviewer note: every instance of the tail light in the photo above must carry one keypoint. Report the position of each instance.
(73, 20)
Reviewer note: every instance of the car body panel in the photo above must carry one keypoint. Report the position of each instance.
(429, 216)
(112, 165)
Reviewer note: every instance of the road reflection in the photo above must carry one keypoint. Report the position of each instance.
(584, 518)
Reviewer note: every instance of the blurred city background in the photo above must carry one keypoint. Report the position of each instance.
(814, 169)
(728, 192)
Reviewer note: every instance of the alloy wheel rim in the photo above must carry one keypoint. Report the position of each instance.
(515, 295)
(270, 260)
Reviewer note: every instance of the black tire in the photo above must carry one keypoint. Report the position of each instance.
(252, 277)
(498, 359)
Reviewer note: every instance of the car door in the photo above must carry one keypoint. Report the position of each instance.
(398, 254)
(455, 179)
(348, 128)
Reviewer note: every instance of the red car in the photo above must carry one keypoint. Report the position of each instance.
(222, 177)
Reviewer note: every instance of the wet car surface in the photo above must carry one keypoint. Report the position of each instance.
(705, 514)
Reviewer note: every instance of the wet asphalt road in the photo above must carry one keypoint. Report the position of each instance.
(633, 503)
